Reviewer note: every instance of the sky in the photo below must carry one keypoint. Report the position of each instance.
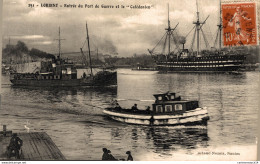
(117, 31)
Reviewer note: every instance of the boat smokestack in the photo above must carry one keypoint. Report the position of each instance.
(182, 41)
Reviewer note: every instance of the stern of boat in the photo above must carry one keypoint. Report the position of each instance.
(106, 78)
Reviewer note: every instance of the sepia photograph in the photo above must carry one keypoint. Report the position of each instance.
(129, 80)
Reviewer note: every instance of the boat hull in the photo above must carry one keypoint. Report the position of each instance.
(197, 116)
(104, 80)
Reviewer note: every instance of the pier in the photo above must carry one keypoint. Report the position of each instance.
(36, 146)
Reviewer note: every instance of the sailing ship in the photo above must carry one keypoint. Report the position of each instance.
(61, 72)
(168, 109)
(185, 60)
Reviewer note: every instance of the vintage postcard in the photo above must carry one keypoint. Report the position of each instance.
(129, 80)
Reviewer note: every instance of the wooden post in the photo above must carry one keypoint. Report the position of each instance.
(4, 130)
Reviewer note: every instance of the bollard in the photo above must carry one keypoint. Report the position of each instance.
(4, 130)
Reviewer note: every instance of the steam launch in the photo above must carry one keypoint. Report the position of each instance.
(61, 72)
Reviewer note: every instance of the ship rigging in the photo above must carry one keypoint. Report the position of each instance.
(188, 60)
(61, 73)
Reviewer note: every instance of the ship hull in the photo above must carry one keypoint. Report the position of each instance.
(197, 116)
(101, 80)
(202, 64)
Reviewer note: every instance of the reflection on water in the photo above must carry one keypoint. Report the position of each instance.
(166, 139)
(74, 119)
(159, 140)
(65, 97)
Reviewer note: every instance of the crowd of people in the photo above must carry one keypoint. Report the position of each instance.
(107, 156)
(16, 143)
(134, 108)
(14, 147)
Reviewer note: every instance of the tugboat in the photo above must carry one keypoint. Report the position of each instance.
(62, 73)
(168, 109)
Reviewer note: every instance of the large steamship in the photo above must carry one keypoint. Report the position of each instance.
(190, 60)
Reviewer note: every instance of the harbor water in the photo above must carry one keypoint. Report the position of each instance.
(73, 117)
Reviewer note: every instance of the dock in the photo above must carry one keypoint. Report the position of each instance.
(36, 146)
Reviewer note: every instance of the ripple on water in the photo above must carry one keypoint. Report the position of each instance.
(73, 116)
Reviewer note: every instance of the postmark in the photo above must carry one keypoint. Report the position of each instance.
(239, 24)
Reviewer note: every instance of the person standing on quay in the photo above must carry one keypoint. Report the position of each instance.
(129, 158)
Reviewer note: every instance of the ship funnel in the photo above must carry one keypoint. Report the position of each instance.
(182, 40)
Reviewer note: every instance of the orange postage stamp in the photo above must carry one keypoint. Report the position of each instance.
(239, 24)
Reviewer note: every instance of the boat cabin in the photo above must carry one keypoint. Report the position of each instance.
(169, 103)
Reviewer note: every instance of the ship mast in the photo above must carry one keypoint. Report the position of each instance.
(169, 31)
(97, 53)
(198, 27)
(59, 55)
(220, 25)
(59, 44)
(90, 64)
(167, 36)
(219, 31)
